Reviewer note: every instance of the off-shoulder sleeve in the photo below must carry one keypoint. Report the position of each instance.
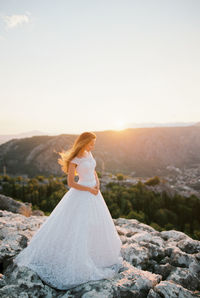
(75, 160)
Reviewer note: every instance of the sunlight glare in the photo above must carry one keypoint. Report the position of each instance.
(120, 125)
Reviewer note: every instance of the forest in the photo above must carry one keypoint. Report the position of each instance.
(159, 210)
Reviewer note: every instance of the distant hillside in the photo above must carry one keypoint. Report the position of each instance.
(143, 151)
(163, 124)
(5, 138)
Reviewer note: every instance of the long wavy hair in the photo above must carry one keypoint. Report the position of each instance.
(66, 156)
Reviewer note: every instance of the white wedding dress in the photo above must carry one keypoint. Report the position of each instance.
(78, 242)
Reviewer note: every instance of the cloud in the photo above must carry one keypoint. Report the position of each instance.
(15, 20)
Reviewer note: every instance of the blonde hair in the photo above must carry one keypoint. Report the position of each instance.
(66, 156)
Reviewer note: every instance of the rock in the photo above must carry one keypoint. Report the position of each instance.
(128, 283)
(23, 282)
(15, 232)
(9, 204)
(189, 245)
(181, 259)
(173, 235)
(37, 212)
(185, 277)
(135, 254)
(156, 264)
(170, 289)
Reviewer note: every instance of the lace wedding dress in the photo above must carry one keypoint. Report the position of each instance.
(78, 242)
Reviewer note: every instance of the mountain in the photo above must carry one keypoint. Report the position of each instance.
(163, 124)
(142, 151)
(197, 124)
(6, 138)
(155, 264)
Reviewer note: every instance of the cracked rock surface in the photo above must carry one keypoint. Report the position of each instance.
(156, 264)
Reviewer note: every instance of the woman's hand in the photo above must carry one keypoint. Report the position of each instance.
(94, 190)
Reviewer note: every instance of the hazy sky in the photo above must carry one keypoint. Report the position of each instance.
(71, 66)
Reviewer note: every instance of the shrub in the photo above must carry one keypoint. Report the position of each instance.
(153, 181)
(120, 176)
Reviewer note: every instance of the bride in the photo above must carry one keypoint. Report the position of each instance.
(78, 242)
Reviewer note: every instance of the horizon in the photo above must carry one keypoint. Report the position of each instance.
(138, 125)
(97, 66)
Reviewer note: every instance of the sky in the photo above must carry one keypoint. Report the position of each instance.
(74, 66)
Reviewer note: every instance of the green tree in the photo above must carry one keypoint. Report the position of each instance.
(153, 181)
(120, 176)
(136, 215)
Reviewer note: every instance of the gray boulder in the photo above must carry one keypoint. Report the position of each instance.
(9, 204)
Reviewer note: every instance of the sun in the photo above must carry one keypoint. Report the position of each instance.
(120, 125)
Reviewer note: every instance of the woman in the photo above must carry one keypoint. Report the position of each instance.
(78, 242)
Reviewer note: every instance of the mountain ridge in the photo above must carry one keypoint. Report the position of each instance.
(144, 151)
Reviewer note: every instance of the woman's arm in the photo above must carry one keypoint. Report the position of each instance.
(70, 179)
(97, 179)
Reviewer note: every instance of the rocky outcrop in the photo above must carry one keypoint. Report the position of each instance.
(9, 204)
(156, 264)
